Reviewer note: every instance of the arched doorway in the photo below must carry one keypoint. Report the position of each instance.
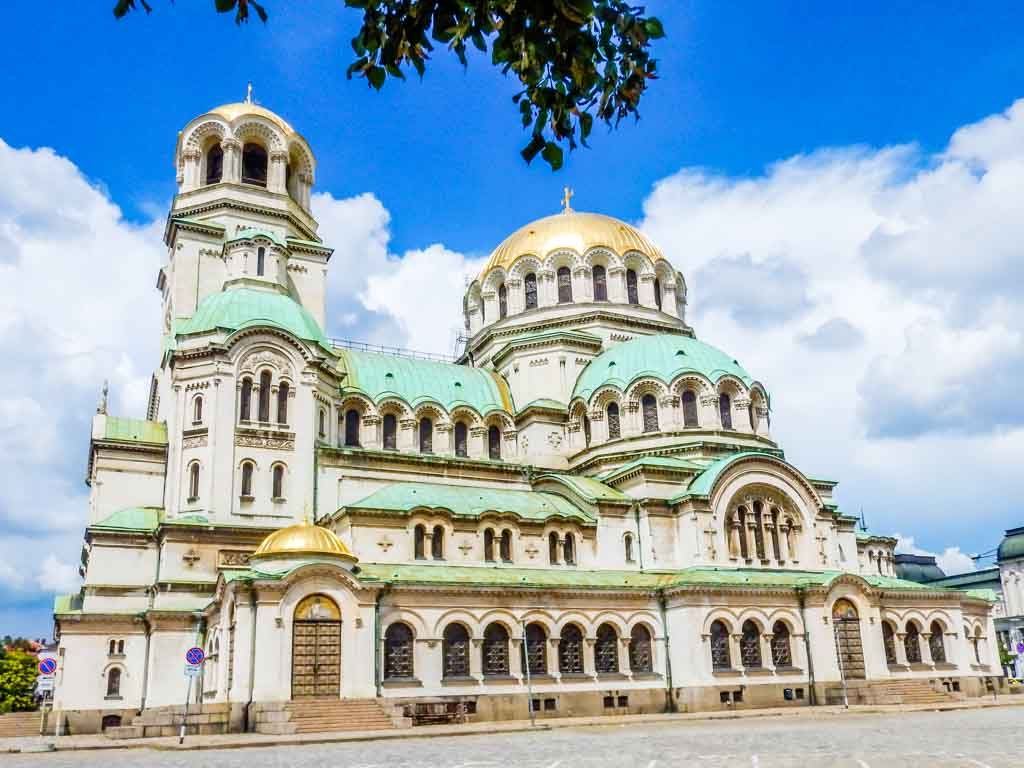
(316, 648)
(846, 623)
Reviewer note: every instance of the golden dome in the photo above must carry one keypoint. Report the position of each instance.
(303, 539)
(571, 229)
(230, 112)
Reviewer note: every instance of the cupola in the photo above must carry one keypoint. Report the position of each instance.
(303, 541)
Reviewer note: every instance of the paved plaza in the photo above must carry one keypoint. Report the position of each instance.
(979, 738)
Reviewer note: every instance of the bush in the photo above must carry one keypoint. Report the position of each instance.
(17, 681)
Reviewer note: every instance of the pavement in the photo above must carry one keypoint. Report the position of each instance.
(97, 742)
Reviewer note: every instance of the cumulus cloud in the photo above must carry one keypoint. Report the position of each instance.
(952, 561)
(835, 334)
(753, 292)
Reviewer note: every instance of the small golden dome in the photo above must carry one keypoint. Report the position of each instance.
(230, 112)
(303, 539)
(571, 229)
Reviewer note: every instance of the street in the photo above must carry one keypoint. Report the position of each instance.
(981, 738)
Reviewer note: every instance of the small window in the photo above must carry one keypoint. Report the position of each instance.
(750, 645)
(586, 429)
(282, 403)
(352, 427)
(398, 652)
(530, 291)
(261, 259)
(606, 650)
(495, 651)
(264, 414)
(197, 410)
(649, 406)
(483, 310)
(622, 701)
(614, 427)
(550, 705)
(461, 439)
(720, 656)
(390, 432)
(455, 649)
(214, 164)
(725, 410)
(889, 641)
(278, 484)
(419, 542)
(782, 653)
(600, 283)
(657, 293)
(113, 647)
(505, 546)
(641, 660)
(564, 278)
(628, 543)
(569, 549)
(690, 409)
(609, 702)
(245, 401)
(437, 543)
(321, 428)
(632, 294)
(489, 545)
(536, 649)
(247, 470)
(502, 302)
(254, 165)
(936, 644)
(114, 683)
(494, 443)
(193, 481)
(426, 435)
(553, 548)
(570, 651)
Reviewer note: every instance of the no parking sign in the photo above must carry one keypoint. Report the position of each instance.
(47, 666)
(195, 656)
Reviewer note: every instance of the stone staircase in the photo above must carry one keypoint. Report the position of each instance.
(17, 725)
(321, 715)
(889, 692)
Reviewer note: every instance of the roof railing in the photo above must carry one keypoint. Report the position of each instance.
(383, 349)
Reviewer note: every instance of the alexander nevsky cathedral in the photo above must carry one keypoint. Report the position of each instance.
(585, 513)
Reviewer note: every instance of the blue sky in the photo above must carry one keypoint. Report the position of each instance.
(779, 138)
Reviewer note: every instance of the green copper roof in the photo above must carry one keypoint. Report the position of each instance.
(419, 381)
(250, 232)
(238, 307)
(669, 463)
(986, 578)
(135, 430)
(546, 403)
(1012, 546)
(663, 357)
(67, 603)
(920, 568)
(464, 501)
(705, 481)
(131, 519)
(587, 487)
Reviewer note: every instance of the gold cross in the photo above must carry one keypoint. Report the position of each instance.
(567, 194)
(248, 94)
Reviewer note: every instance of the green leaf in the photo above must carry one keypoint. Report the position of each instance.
(530, 150)
(375, 76)
(224, 6)
(553, 155)
(654, 28)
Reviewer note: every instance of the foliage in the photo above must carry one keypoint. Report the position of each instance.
(18, 643)
(574, 59)
(1006, 657)
(17, 681)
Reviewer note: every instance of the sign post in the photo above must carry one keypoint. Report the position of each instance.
(194, 658)
(44, 685)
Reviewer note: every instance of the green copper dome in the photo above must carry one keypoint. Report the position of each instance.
(662, 357)
(1012, 546)
(238, 308)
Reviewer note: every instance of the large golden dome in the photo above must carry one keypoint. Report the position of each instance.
(571, 229)
(303, 539)
(232, 111)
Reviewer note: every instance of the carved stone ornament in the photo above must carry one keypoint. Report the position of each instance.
(233, 558)
(254, 441)
(555, 439)
(265, 357)
(196, 441)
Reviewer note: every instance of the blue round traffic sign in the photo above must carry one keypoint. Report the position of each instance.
(195, 656)
(47, 666)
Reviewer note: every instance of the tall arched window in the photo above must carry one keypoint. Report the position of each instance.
(725, 410)
(569, 549)
(245, 401)
(461, 439)
(690, 409)
(113, 648)
(114, 683)
(614, 427)
(261, 261)
(936, 644)
(483, 310)
(214, 164)
(437, 543)
(489, 545)
(352, 427)
(641, 660)
(632, 294)
(455, 648)
(264, 411)
(193, 481)
(570, 651)
(889, 641)
(586, 429)
(389, 428)
(564, 277)
(398, 652)
(197, 410)
(282, 403)
(750, 645)
(553, 548)
(502, 302)
(120, 647)
(649, 406)
(912, 644)
(247, 470)
(606, 650)
(278, 481)
(752, 415)
(419, 538)
(976, 642)
(627, 542)
(496, 650)
(530, 291)
(657, 293)
(426, 435)
(321, 427)
(494, 443)
(720, 656)
(254, 164)
(505, 546)
(535, 649)
(782, 653)
(600, 278)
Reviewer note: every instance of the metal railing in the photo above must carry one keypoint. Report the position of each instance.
(383, 349)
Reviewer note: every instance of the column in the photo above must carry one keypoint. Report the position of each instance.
(369, 435)
(476, 665)
(624, 664)
(751, 537)
(477, 439)
(443, 438)
(767, 660)
(646, 290)
(232, 171)
(277, 171)
(408, 434)
(616, 285)
(552, 656)
(589, 667)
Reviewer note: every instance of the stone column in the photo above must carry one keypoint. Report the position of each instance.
(477, 440)
(767, 660)
(369, 436)
(551, 651)
(476, 661)
(645, 289)
(616, 285)
(625, 667)
(734, 535)
(443, 438)
(589, 667)
(516, 300)
(277, 171)
(232, 170)
(408, 435)
(193, 166)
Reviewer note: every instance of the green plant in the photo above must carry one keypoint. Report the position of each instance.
(17, 680)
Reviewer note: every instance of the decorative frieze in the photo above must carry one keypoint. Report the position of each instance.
(265, 441)
(233, 558)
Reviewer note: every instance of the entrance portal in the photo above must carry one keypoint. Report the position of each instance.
(846, 624)
(316, 648)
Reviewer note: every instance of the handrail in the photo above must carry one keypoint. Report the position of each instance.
(383, 349)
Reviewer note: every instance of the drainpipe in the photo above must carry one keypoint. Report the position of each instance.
(639, 541)
(801, 596)
(670, 701)
(377, 676)
(252, 659)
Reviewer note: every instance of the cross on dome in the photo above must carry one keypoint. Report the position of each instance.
(248, 93)
(567, 194)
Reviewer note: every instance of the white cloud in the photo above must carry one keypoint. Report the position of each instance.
(57, 576)
(952, 561)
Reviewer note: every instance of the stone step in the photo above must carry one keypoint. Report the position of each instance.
(19, 725)
(318, 715)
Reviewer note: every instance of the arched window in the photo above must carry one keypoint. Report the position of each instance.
(494, 443)
(640, 659)
(193, 481)
(759, 530)
(437, 543)
(254, 165)
(214, 164)
(889, 641)
(496, 650)
(530, 291)
(398, 652)
(750, 645)
(264, 411)
(114, 683)
(245, 401)
(282, 403)
(564, 277)
(535, 649)
(570, 651)
(935, 643)
(553, 548)
(489, 545)
(261, 261)
(690, 409)
(627, 542)
(632, 294)
(120, 647)
(614, 428)
(455, 647)
(390, 432)
(321, 427)
(483, 310)
(725, 410)
(976, 642)
(912, 644)
(419, 537)
(461, 441)
(247, 470)
(197, 410)
(278, 482)
(752, 415)
(657, 293)
(782, 653)
(352, 427)
(600, 283)
(606, 650)
(426, 435)
(569, 549)
(113, 647)
(586, 429)
(505, 546)
(720, 656)
(502, 302)
(649, 405)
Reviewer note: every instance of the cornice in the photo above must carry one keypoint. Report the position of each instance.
(220, 203)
